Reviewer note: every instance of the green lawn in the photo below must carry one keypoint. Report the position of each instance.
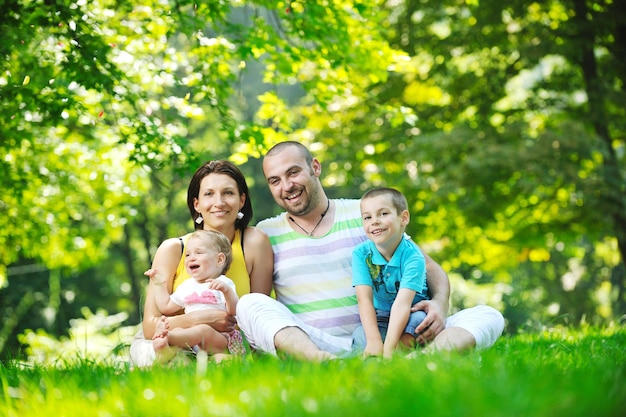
(557, 373)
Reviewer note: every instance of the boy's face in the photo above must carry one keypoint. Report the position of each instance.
(201, 262)
(381, 220)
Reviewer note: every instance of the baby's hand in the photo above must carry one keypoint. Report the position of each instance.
(154, 276)
(219, 285)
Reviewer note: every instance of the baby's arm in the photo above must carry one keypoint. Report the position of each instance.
(161, 295)
(229, 295)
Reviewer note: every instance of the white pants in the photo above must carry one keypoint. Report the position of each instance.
(261, 317)
(485, 323)
(142, 352)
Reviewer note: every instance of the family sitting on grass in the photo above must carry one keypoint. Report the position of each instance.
(316, 255)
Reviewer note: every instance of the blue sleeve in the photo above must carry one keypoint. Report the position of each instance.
(414, 271)
(360, 271)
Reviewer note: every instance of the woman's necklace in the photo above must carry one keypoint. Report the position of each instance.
(318, 223)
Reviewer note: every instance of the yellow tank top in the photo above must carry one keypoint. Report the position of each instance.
(238, 271)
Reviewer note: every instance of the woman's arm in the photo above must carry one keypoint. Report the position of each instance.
(220, 320)
(259, 258)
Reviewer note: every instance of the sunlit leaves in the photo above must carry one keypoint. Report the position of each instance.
(422, 93)
(476, 110)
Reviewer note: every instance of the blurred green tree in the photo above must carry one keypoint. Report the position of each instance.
(107, 107)
(511, 147)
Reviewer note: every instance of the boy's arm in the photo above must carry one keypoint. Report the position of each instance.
(374, 341)
(398, 319)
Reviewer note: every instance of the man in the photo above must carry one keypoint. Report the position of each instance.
(315, 311)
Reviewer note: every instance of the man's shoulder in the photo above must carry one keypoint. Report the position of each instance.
(347, 203)
(342, 204)
(271, 221)
(348, 210)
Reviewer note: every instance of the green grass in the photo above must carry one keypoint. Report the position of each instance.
(557, 373)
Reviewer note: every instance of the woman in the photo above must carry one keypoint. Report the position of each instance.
(218, 199)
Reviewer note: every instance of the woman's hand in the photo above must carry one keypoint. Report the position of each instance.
(220, 320)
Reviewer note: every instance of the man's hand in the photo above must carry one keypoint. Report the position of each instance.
(434, 322)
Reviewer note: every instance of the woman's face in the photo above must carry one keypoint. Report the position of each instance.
(219, 201)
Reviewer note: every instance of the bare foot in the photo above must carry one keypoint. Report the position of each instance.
(160, 341)
(321, 356)
(220, 357)
(408, 341)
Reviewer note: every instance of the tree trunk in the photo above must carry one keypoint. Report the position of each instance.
(135, 287)
(615, 189)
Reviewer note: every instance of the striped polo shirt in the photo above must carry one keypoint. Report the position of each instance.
(313, 275)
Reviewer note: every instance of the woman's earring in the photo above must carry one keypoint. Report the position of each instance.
(240, 215)
(199, 219)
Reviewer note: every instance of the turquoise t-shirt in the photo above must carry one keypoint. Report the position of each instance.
(405, 269)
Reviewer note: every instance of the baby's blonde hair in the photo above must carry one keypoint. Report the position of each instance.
(216, 241)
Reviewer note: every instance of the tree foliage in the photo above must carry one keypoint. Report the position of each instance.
(515, 162)
(108, 106)
(502, 122)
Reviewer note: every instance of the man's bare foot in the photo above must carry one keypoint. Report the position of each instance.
(320, 356)
(294, 341)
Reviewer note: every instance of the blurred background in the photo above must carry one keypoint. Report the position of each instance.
(503, 123)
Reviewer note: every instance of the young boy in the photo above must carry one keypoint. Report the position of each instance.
(389, 275)
(208, 255)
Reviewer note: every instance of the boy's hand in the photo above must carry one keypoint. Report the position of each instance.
(373, 349)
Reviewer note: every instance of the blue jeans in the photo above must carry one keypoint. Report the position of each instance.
(358, 336)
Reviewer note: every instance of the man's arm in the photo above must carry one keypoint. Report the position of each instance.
(436, 308)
